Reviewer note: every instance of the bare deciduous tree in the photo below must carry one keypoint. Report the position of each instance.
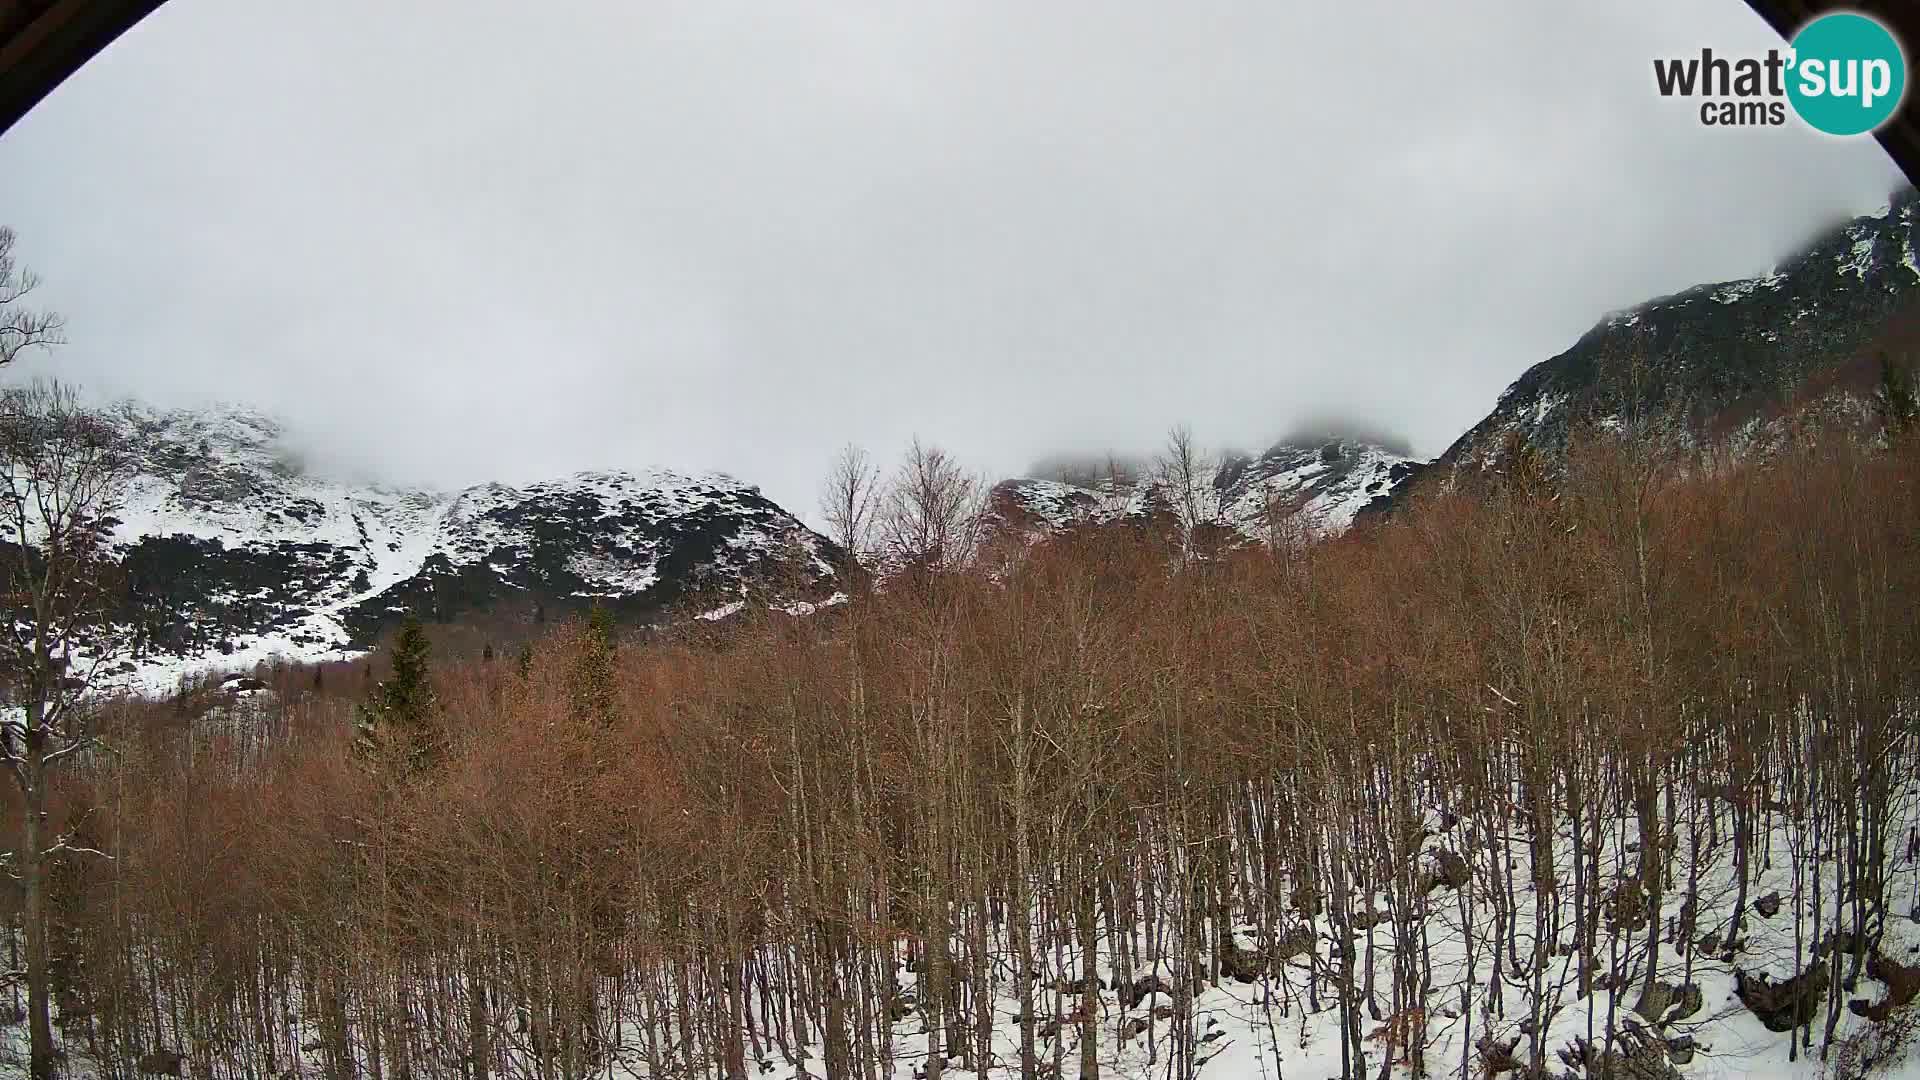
(1186, 473)
(21, 327)
(849, 499)
(932, 513)
(1286, 527)
(1442, 784)
(62, 470)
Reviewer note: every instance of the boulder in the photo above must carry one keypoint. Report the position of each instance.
(1903, 985)
(1688, 1000)
(1143, 988)
(1782, 1006)
(1633, 1057)
(1368, 918)
(1241, 965)
(1445, 869)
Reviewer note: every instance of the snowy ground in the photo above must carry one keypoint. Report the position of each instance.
(1263, 1028)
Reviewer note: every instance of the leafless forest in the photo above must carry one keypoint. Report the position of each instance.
(1555, 748)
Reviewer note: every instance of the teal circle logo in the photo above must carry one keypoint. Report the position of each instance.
(1847, 75)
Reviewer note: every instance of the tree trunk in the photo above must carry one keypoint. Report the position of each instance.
(33, 879)
(1021, 923)
(477, 1047)
(1089, 984)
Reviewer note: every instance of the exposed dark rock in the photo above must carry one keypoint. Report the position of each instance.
(1445, 869)
(1238, 964)
(1688, 1000)
(1903, 985)
(1786, 1005)
(1718, 361)
(1143, 988)
(1496, 1055)
(1309, 484)
(1368, 918)
(224, 542)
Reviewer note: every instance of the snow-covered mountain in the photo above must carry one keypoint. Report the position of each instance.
(1312, 485)
(1729, 360)
(233, 552)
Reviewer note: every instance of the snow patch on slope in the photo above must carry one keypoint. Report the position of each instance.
(1315, 487)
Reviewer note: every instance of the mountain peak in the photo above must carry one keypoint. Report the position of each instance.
(235, 552)
(1724, 359)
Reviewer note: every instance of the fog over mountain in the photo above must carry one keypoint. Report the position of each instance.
(486, 245)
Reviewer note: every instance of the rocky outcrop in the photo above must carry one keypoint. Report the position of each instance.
(1734, 362)
(1782, 1006)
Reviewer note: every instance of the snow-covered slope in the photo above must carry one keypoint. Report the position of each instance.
(1728, 360)
(234, 552)
(1308, 486)
(1486, 1011)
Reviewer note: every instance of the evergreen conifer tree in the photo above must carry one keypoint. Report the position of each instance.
(593, 670)
(399, 712)
(1899, 408)
(407, 697)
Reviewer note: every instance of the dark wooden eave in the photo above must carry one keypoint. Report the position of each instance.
(44, 41)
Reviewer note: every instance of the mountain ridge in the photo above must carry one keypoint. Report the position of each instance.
(1720, 359)
(1305, 485)
(233, 553)
(236, 552)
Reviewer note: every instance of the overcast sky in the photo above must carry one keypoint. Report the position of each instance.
(455, 241)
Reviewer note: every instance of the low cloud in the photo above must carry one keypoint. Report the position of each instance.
(719, 235)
